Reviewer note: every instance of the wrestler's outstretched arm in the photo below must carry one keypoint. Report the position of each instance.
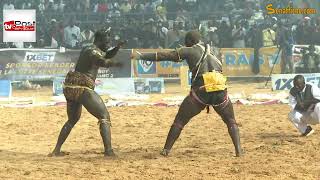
(111, 53)
(177, 55)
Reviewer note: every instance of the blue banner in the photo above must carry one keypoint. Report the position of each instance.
(5, 88)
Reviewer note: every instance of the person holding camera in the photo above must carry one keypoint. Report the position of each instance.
(311, 60)
(238, 35)
(285, 41)
(304, 100)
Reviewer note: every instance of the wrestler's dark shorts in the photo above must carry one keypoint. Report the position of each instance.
(74, 85)
(210, 98)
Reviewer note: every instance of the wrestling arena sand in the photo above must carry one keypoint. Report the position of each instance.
(274, 149)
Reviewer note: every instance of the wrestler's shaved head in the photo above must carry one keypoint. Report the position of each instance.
(102, 39)
(102, 34)
(192, 38)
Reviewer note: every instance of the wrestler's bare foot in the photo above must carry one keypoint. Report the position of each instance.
(240, 153)
(165, 152)
(58, 154)
(110, 154)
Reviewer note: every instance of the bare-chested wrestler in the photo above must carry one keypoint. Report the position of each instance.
(208, 88)
(79, 90)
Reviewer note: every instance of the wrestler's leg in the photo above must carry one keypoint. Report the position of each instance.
(95, 105)
(188, 109)
(227, 114)
(74, 113)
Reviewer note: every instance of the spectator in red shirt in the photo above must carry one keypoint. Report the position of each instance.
(102, 6)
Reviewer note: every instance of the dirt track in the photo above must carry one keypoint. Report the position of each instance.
(274, 149)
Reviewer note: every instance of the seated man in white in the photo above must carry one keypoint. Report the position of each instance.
(304, 100)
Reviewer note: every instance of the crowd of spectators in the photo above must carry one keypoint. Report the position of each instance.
(163, 23)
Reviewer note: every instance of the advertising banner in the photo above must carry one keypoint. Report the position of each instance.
(107, 86)
(149, 85)
(268, 58)
(5, 88)
(165, 69)
(237, 61)
(285, 81)
(45, 64)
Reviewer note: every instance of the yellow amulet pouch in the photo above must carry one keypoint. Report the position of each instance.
(214, 81)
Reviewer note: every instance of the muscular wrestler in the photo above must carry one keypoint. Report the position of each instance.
(200, 62)
(79, 90)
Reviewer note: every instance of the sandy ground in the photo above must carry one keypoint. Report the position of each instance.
(274, 149)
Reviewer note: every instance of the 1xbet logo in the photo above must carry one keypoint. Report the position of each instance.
(19, 26)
